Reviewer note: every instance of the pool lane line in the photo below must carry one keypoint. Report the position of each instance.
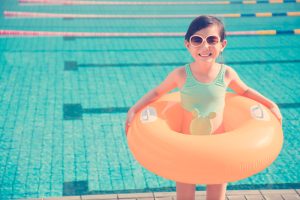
(70, 2)
(76, 111)
(13, 14)
(74, 66)
(23, 33)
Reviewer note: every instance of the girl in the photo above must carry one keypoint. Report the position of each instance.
(202, 85)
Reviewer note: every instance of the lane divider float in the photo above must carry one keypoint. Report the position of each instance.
(13, 14)
(72, 2)
(21, 33)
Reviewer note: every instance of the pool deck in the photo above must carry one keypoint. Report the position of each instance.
(291, 194)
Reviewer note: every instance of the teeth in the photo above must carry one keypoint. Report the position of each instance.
(205, 55)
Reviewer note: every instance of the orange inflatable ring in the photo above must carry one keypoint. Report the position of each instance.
(252, 141)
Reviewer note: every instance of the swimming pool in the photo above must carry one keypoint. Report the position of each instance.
(64, 100)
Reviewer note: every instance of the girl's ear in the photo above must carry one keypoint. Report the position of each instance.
(224, 43)
(186, 44)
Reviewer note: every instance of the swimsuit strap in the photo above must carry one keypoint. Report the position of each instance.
(189, 75)
(188, 70)
(220, 78)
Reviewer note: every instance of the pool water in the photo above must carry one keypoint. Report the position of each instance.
(63, 101)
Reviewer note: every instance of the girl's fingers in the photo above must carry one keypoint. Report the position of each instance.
(277, 113)
(127, 124)
(129, 119)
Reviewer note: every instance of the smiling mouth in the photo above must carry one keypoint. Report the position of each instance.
(205, 55)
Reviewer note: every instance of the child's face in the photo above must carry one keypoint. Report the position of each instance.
(211, 46)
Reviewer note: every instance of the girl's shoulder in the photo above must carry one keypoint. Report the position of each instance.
(179, 75)
(229, 72)
(178, 72)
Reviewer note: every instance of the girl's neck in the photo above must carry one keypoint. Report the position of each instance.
(203, 68)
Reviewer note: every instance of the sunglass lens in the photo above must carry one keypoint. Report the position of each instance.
(196, 40)
(212, 40)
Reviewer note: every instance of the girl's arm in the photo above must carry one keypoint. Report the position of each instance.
(167, 85)
(238, 86)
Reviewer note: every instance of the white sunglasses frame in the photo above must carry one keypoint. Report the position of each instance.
(204, 39)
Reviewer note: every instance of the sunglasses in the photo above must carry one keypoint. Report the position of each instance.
(197, 40)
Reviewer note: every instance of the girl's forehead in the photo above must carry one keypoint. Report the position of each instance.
(210, 30)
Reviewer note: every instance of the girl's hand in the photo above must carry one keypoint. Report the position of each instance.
(130, 116)
(275, 110)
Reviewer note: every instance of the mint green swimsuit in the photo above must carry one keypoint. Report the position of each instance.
(203, 97)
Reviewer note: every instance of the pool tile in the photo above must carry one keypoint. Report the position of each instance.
(165, 198)
(70, 66)
(69, 38)
(244, 192)
(75, 188)
(291, 196)
(254, 197)
(147, 198)
(135, 195)
(275, 196)
(236, 197)
(64, 198)
(72, 111)
(33, 199)
(278, 192)
(164, 194)
(99, 197)
(128, 199)
(199, 193)
(199, 197)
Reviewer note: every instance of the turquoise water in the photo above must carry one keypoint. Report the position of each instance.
(63, 101)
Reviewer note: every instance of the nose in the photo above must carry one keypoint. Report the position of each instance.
(204, 45)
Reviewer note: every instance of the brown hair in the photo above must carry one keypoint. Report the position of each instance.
(202, 22)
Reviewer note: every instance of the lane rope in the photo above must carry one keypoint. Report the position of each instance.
(13, 14)
(78, 2)
(16, 33)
